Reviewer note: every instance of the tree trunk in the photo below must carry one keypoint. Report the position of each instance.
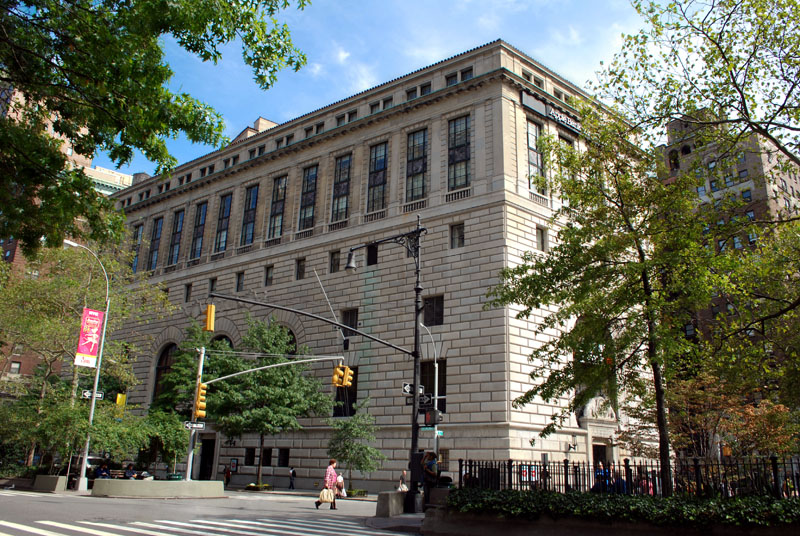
(658, 382)
(260, 456)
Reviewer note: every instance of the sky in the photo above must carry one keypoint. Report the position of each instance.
(353, 45)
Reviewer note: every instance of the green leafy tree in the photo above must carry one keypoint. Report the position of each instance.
(264, 402)
(734, 58)
(620, 231)
(269, 401)
(42, 312)
(727, 70)
(349, 443)
(93, 74)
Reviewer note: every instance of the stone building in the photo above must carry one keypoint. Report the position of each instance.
(453, 143)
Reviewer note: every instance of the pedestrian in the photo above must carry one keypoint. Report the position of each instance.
(102, 472)
(330, 483)
(403, 486)
(340, 492)
(430, 474)
(292, 476)
(227, 475)
(130, 472)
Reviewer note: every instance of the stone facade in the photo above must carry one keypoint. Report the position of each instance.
(476, 110)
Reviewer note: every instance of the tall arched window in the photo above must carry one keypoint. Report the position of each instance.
(674, 163)
(223, 338)
(165, 361)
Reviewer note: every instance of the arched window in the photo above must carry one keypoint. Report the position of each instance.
(223, 338)
(673, 161)
(164, 365)
(292, 342)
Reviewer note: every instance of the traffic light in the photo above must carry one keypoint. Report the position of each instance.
(200, 401)
(432, 417)
(208, 325)
(338, 376)
(347, 380)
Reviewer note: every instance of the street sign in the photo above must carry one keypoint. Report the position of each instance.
(426, 428)
(87, 393)
(440, 433)
(189, 425)
(425, 399)
(408, 389)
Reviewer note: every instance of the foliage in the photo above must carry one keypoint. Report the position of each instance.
(265, 402)
(349, 442)
(620, 230)
(42, 308)
(258, 487)
(167, 436)
(736, 58)
(727, 70)
(93, 75)
(679, 510)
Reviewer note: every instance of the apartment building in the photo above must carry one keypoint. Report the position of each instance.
(453, 143)
(747, 183)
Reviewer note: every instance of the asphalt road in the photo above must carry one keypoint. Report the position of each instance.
(26, 513)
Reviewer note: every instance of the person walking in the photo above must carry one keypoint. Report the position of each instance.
(430, 474)
(227, 475)
(403, 485)
(292, 476)
(330, 482)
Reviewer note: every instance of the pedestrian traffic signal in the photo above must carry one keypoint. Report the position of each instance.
(433, 417)
(347, 380)
(338, 376)
(211, 311)
(200, 401)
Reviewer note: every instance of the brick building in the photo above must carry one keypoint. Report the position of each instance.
(454, 143)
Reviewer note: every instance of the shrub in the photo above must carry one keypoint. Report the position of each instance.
(679, 510)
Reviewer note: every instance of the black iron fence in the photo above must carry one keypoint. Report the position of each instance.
(728, 478)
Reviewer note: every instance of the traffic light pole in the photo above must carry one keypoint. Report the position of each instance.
(190, 452)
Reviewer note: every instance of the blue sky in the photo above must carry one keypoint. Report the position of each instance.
(353, 45)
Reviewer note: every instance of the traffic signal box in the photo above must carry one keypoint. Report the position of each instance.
(338, 376)
(432, 417)
(211, 311)
(200, 401)
(342, 376)
(347, 381)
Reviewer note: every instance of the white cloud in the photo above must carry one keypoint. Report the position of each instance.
(342, 55)
(314, 69)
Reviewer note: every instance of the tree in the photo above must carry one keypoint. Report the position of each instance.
(93, 75)
(42, 307)
(349, 442)
(727, 69)
(620, 230)
(264, 402)
(735, 58)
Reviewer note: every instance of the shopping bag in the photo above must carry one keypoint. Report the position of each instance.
(326, 496)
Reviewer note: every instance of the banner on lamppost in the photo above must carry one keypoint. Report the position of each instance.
(89, 339)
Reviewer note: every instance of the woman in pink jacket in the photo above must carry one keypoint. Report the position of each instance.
(330, 482)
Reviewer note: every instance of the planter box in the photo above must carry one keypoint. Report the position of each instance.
(50, 483)
(440, 522)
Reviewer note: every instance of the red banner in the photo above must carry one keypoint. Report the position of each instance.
(89, 340)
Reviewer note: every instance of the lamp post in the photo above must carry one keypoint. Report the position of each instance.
(410, 241)
(82, 482)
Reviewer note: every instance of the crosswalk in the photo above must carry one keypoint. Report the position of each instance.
(315, 526)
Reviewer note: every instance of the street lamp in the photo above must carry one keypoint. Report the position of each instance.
(410, 241)
(82, 481)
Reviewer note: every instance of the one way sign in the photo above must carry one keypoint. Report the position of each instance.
(408, 389)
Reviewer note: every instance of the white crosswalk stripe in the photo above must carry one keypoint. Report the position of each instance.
(25, 493)
(316, 526)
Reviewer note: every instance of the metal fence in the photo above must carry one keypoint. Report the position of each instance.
(728, 478)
